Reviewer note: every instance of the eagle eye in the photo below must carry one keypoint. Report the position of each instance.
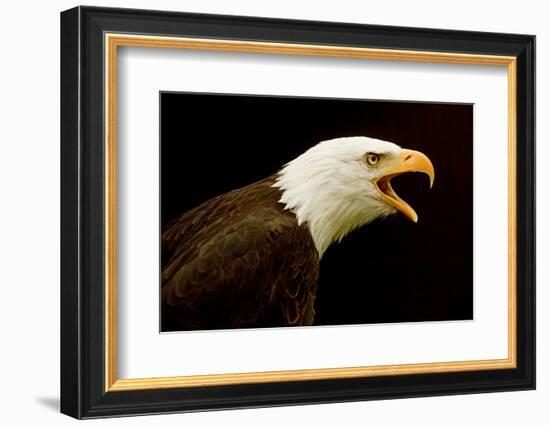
(372, 159)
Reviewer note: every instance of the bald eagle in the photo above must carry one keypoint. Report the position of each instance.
(250, 257)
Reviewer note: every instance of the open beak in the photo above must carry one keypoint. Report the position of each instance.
(409, 161)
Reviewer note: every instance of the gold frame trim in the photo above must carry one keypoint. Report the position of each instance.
(113, 41)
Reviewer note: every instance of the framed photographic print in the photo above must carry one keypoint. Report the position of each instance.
(262, 212)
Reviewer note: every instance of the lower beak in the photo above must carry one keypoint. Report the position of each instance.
(409, 161)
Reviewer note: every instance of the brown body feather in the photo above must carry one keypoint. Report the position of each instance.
(238, 260)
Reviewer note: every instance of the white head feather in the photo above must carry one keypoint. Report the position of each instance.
(331, 188)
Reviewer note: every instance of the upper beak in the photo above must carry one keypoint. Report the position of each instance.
(409, 161)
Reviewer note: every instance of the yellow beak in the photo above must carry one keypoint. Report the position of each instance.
(409, 161)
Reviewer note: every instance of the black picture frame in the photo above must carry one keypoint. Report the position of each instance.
(83, 393)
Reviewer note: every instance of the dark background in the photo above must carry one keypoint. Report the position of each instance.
(388, 271)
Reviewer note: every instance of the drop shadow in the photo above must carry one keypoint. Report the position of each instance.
(49, 402)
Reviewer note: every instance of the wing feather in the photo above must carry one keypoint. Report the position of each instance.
(238, 260)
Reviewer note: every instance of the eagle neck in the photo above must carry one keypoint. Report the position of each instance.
(328, 222)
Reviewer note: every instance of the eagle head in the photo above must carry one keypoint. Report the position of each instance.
(341, 184)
